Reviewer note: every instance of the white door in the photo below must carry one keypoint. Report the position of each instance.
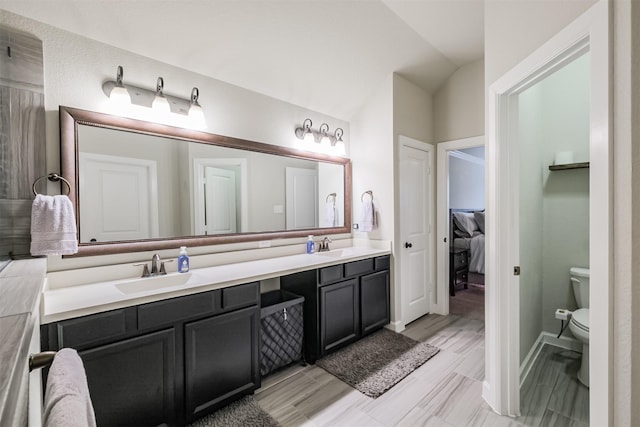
(416, 240)
(220, 201)
(301, 198)
(123, 201)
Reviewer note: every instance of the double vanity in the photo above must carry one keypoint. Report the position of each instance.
(170, 349)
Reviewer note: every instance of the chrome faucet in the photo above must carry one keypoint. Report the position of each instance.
(157, 267)
(324, 244)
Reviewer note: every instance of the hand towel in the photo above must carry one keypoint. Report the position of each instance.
(66, 400)
(330, 215)
(53, 226)
(368, 220)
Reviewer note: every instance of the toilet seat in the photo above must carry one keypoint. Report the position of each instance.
(580, 319)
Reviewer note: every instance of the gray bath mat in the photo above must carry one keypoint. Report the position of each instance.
(242, 413)
(378, 362)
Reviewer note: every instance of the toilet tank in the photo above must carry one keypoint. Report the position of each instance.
(580, 283)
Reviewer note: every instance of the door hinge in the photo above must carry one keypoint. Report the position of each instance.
(516, 270)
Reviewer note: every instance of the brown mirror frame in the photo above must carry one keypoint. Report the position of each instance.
(71, 118)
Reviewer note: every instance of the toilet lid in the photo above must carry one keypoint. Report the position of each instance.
(581, 318)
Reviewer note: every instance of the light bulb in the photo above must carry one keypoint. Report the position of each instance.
(120, 96)
(196, 116)
(160, 104)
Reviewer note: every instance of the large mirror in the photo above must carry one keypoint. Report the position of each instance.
(139, 185)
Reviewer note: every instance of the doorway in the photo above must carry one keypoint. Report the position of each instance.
(501, 389)
(444, 150)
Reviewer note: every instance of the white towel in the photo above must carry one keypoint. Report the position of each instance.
(330, 215)
(66, 400)
(53, 226)
(368, 220)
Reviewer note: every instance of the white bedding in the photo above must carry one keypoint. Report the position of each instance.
(475, 245)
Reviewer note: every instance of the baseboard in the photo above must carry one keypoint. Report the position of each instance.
(546, 338)
(397, 326)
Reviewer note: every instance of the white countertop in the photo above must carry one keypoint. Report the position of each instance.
(80, 300)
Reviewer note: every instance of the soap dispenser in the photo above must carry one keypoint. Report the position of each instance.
(311, 246)
(183, 260)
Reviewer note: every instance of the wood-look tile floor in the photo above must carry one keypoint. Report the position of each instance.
(445, 391)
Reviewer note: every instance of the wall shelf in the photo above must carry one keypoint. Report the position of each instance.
(568, 166)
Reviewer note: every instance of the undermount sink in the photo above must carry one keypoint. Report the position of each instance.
(144, 284)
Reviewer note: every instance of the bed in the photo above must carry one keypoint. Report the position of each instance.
(466, 231)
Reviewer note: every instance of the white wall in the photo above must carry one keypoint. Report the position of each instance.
(466, 179)
(76, 67)
(531, 224)
(458, 105)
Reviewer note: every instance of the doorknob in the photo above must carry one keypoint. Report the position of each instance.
(408, 245)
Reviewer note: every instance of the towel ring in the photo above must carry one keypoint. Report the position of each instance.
(369, 192)
(53, 177)
(334, 195)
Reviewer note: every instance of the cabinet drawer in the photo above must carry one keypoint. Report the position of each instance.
(101, 327)
(240, 296)
(460, 260)
(382, 262)
(461, 276)
(358, 267)
(330, 274)
(173, 310)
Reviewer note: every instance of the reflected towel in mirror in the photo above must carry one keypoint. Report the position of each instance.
(330, 215)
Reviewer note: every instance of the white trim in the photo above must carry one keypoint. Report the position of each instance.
(396, 326)
(546, 338)
(441, 305)
(405, 141)
(501, 388)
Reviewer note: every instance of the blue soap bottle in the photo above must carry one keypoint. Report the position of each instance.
(183, 260)
(311, 246)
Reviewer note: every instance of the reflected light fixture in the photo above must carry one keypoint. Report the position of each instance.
(160, 103)
(119, 94)
(122, 95)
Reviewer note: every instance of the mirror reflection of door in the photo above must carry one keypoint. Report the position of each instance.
(220, 201)
(301, 198)
(116, 182)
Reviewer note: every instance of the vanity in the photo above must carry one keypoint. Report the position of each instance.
(170, 355)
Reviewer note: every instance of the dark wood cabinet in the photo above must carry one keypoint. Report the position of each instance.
(167, 362)
(342, 303)
(375, 307)
(339, 314)
(133, 381)
(221, 360)
(458, 269)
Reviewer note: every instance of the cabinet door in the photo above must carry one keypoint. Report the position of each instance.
(132, 382)
(374, 301)
(221, 360)
(339, 314)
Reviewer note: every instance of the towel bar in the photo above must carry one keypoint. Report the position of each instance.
(53, 177)
(40, 360)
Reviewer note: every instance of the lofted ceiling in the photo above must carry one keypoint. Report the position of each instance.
(325, 55)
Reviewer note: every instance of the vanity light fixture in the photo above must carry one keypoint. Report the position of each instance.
(196, 115)
(160, 103)
(121, 95)
(322, 136)
(304, 131)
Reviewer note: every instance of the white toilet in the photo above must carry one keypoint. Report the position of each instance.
(579, 323)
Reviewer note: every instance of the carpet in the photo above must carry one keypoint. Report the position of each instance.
(378, 362)
(242, 413)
